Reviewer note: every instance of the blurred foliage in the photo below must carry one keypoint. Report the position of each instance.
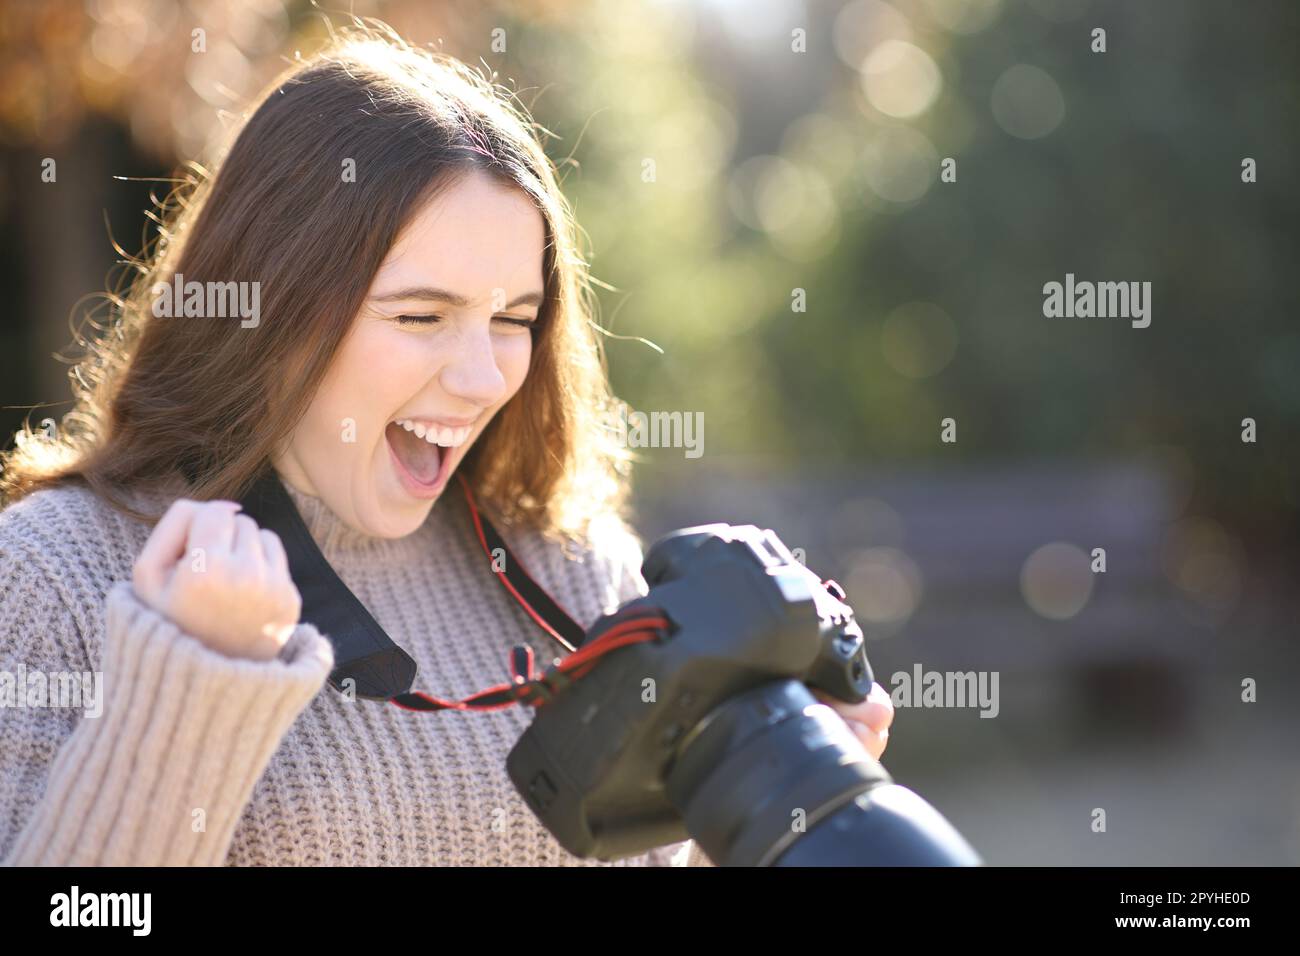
(717, 171)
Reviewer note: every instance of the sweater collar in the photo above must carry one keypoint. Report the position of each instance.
(336, 538)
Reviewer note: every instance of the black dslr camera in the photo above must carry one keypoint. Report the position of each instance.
(709, 730)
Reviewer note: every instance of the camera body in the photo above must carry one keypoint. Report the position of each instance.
(597, 763)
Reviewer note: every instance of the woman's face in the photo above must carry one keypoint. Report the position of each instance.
(439, 346)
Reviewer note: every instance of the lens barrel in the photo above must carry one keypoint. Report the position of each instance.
(774, 777)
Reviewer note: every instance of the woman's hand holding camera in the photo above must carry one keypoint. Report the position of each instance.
(868, 720)
(220, 578)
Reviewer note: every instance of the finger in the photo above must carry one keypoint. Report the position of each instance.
(165, 546)
(876, 712)
(213, 529)
(879, 713)
(273, 548)
(867, 713)
(247, 549)
(878, 744)
(872, 714)
(877, 693)
(874, 742)
(877, 716)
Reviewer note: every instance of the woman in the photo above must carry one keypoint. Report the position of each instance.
(418, 308)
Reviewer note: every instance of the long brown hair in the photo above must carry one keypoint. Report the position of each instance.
(153, 393)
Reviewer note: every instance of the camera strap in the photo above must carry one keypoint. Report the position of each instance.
(367, 662)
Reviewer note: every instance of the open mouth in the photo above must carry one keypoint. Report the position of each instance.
(422, 463)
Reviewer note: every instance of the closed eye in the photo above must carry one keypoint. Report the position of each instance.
(432, 319)
(521, 323)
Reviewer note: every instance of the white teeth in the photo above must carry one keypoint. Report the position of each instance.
(437, 435)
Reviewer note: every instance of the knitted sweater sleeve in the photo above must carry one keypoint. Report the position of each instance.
(156, 768)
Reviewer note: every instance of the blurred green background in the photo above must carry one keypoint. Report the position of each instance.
(728, 168)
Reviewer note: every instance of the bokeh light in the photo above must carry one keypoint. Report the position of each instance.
(863, 25)
(884, 587)
(900, 79)
(1027, 103)
(1056, 580)
(899, 164)
(963, 16)
(1206, 562)
(918, 339)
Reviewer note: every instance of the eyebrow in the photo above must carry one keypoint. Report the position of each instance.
(432, 294)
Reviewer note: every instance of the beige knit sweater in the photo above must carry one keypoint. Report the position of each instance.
(200, 759)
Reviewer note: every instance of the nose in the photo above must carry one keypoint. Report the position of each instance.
(471, 372)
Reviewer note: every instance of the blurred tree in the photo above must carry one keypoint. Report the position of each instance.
(761, 187)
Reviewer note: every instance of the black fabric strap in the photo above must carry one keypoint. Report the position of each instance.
(363, 652)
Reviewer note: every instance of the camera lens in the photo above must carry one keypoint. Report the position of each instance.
(774, 777)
